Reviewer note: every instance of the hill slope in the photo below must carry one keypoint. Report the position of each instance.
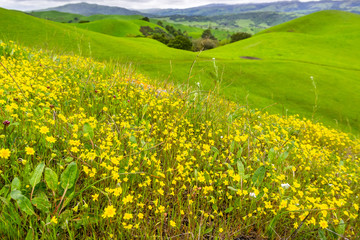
(115, 27)
(92, 9)
(280, 6)
(281, 79)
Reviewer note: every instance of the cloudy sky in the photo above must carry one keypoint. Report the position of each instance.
(132, 4)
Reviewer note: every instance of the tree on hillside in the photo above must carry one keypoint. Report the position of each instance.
(146, 19)
(160, 23)
(239, 36)
(180, 42)
(204, 44)
(208, 35)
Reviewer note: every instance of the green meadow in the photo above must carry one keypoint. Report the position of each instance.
(322, 45)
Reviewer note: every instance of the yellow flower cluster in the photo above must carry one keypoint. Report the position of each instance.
(157, 155)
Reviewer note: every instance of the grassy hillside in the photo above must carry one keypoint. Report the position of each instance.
(280, 80)
(115, 27)
(57, 16)
(97, 151)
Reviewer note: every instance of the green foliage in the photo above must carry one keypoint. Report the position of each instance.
(68, 177)
(208, 35)
(239, 36)
(180, 42)
(145, 19)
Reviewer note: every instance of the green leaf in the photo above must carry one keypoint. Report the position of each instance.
(36, 177)
(215, 150)
(241, 169)
(41, 203)
(5, 201)
(209, 230)
(229, 209)
(30, 235)
(340, 229)
(271, 155)
(16, 184)
(132, 139)
(68, 177)
(238, 155)
(25, 205)
(232, 146)
(283, 156)
(15, 124)
(69, 159)
(15, 194)
(88, 129)
(215, 207)
(259, 175)
(51, 179)
(322, 235)
(232, 189)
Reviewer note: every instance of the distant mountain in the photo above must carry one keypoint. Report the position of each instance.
(284, 6)
(92, 9)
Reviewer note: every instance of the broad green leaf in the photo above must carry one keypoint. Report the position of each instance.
(88, 129)
(232, 146)
(132, 139)
(16, 194)
(271, 155)
(68, 177)
(51, 179)
(283, 156)
(229, 209)
(241, 169)
(15, 184)
(69, 159)
(41, 203)
(259, 175)
(209, 230)
(238, 155)
(340, 229)
(36, 177)
(25, 205)
(15, 124)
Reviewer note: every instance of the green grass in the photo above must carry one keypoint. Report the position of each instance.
(57, 16)
(116, 27)
(281, 79)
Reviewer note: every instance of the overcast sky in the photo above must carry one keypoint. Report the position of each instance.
(132, 4)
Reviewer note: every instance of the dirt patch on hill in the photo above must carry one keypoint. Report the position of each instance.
(251, 58)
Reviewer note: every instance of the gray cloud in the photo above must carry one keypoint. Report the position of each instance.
(26, 5)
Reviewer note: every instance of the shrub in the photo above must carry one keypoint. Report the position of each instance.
(239, 36)
(180, 42)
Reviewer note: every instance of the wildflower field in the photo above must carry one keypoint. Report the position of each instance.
(95, 151)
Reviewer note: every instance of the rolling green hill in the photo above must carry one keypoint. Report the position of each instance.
(279, 82)
(125, 24)
(116, 27)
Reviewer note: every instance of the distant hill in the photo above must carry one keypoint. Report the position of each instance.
(284, 6)
(92, 9)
